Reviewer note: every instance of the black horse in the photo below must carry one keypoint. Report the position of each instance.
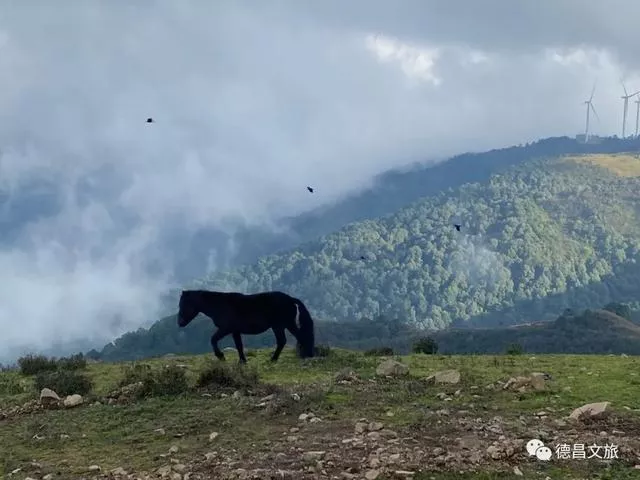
(237, 314)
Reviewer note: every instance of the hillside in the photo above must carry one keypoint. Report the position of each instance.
(539, 238)
(542, 237)
(390, 191)
(341, 416)
(591, 331)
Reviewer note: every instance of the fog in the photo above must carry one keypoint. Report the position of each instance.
(251, 103)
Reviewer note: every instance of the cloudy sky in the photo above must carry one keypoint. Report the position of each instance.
(252, 102)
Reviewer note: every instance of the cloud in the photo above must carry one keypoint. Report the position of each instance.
(252, 102)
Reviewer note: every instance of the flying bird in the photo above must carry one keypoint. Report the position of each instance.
(362, 257)
(310, 189)
(149, 120)
(457, 227)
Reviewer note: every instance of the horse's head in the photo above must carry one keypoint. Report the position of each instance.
(188, 308)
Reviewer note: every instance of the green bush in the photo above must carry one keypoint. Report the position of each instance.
(10, 385)
(64, 382)
(515, 349)
(220, 375)
(74, 362)
(379, 352)
(34, 364)
(426, 345)
(322, 350)
(134, 373)
(167, 381)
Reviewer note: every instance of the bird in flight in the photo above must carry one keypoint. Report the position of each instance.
(149, 120)
(457, 227)
(310, 189)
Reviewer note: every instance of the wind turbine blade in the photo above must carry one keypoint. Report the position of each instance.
(624, 88)
(593, 90)
(594, 111)
(634, 94)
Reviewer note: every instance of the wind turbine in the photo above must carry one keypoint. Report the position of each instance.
(637, 116)
(626, 98)
(589, 108)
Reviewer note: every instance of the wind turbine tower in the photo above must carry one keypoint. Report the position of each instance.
(590, 107)
(626, 98)
(637, 116)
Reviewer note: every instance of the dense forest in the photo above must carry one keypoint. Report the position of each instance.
(390, 191)
(562, 231)
(539, 238)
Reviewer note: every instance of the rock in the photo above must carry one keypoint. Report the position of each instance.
(48, 397)
(174, 449)
(119, 471)
(590, 410)
(392, 368)
(213, 436)
(517, 471)
(179, 467)
(164, 471)
(73, 400)
(346, 374)
(537, 382)
(361, 427)
(372, 474)
(447, 376)
(48, 476)
(375, 426)
(313, 456)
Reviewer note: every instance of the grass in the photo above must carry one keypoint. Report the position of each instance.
(623, 164)
(127, 435)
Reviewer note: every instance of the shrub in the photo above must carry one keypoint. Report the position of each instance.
(167, 381)
(322, 351)
(74, 362)
(33, 364)
(10, 385)
(64, 382)
(515, 349)
(137, 372)
(426, 345)
(223, 376)
(379, 352)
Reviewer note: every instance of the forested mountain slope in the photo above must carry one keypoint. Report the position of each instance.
(544, 236)
(397, 188)
(550, 227)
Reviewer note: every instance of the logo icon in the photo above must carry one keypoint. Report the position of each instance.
(536, 448)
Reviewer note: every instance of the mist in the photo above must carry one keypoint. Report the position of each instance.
(252, 103)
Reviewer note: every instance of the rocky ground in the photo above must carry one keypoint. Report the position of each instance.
(377, 426)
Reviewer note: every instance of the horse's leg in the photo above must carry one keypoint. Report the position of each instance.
(281, 341)
(238, 341)
(215, 338)
(296, 334)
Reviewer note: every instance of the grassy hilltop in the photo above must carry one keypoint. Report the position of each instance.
(328, 417)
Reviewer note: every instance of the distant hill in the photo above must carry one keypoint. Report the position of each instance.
(598, 331)
(589, 332)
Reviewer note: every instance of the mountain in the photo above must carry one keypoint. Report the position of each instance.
(540, 237)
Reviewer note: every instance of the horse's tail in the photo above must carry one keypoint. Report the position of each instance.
(306, 340)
